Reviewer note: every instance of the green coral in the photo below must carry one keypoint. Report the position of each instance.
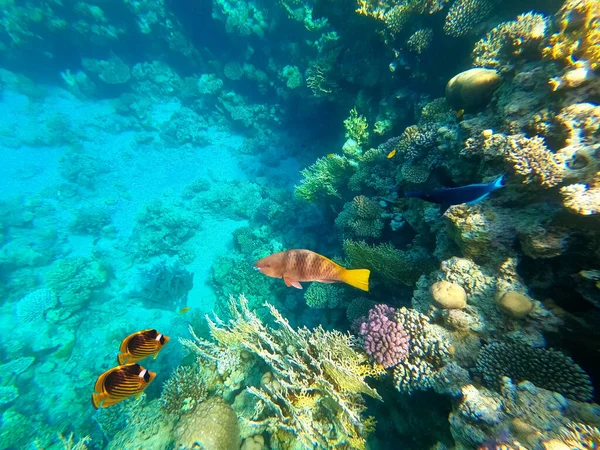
(547, 369)
(324, 178)
(357, 127)
(395, 267)
(75, 280)
(312, 391)
(361, 218)
(319, 295)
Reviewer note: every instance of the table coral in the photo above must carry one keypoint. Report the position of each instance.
(311, 370)
(547, 369)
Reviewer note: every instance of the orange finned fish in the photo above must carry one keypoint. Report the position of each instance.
(303, 265)
(140, 345)
(184, 310)
(119, 383)
(391, 154)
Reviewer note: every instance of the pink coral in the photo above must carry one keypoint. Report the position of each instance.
(384, 338)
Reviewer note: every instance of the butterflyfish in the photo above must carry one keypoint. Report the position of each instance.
(470, 194)
(295, 266)
(140, 345)
(391, 154)
(119, 383)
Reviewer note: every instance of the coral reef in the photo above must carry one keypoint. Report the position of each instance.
(307, 371)
(361, 218)
(465, 15)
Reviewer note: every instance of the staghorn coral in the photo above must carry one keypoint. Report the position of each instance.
(312, 393)
(579, 436)
(511, 42)
(396, 267)
(428, 353)
(384, 339)
(361, 218)
(324, 178)
(34, 305)
(547, 369)
(465, 15)
(576, 43)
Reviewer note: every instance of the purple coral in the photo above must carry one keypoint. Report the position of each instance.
(384, 338)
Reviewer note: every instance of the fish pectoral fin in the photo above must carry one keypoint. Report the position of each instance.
(289, 282)
(155, 355)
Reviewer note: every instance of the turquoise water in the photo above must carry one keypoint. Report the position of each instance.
(152, 153)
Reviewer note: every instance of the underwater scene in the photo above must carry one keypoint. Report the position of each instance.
(299, 224)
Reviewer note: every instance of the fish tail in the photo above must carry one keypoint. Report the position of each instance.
(358, 278)
(500, 182)
(122, 358)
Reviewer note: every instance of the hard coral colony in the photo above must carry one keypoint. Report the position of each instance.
(172, 158)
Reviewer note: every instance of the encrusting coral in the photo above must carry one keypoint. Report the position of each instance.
(311, 390)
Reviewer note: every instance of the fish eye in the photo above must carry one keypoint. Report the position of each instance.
(162, 340)
(147, 377)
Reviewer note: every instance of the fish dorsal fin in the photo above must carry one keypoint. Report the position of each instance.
(289, 282)
(125, 343)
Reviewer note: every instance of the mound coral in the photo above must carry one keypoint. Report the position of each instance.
(384, 339)
(311, 393)
(472, 89)
(75, 280)
(547, 369)
(213, 426)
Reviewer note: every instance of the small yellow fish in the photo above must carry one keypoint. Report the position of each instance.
(184, 310)
(391, 154)
(331, 155)
(460, 113)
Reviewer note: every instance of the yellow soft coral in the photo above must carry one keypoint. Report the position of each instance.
(357, 127)
(576, 44)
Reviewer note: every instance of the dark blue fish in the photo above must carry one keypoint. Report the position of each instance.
(470, 194)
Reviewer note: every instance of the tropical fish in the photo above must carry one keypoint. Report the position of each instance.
(331, 155)
(303, 265)
(140, 345)
(470, 194)
(119, 383)
(184, 310)
(391, 154)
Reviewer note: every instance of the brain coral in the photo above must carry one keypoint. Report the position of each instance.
(213, 426)
(547, 369)
(32, 307)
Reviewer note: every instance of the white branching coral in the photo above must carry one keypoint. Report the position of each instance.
(312, 390)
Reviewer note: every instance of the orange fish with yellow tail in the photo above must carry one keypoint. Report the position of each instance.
(119, 383)
(140, 345)
(295, 266)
